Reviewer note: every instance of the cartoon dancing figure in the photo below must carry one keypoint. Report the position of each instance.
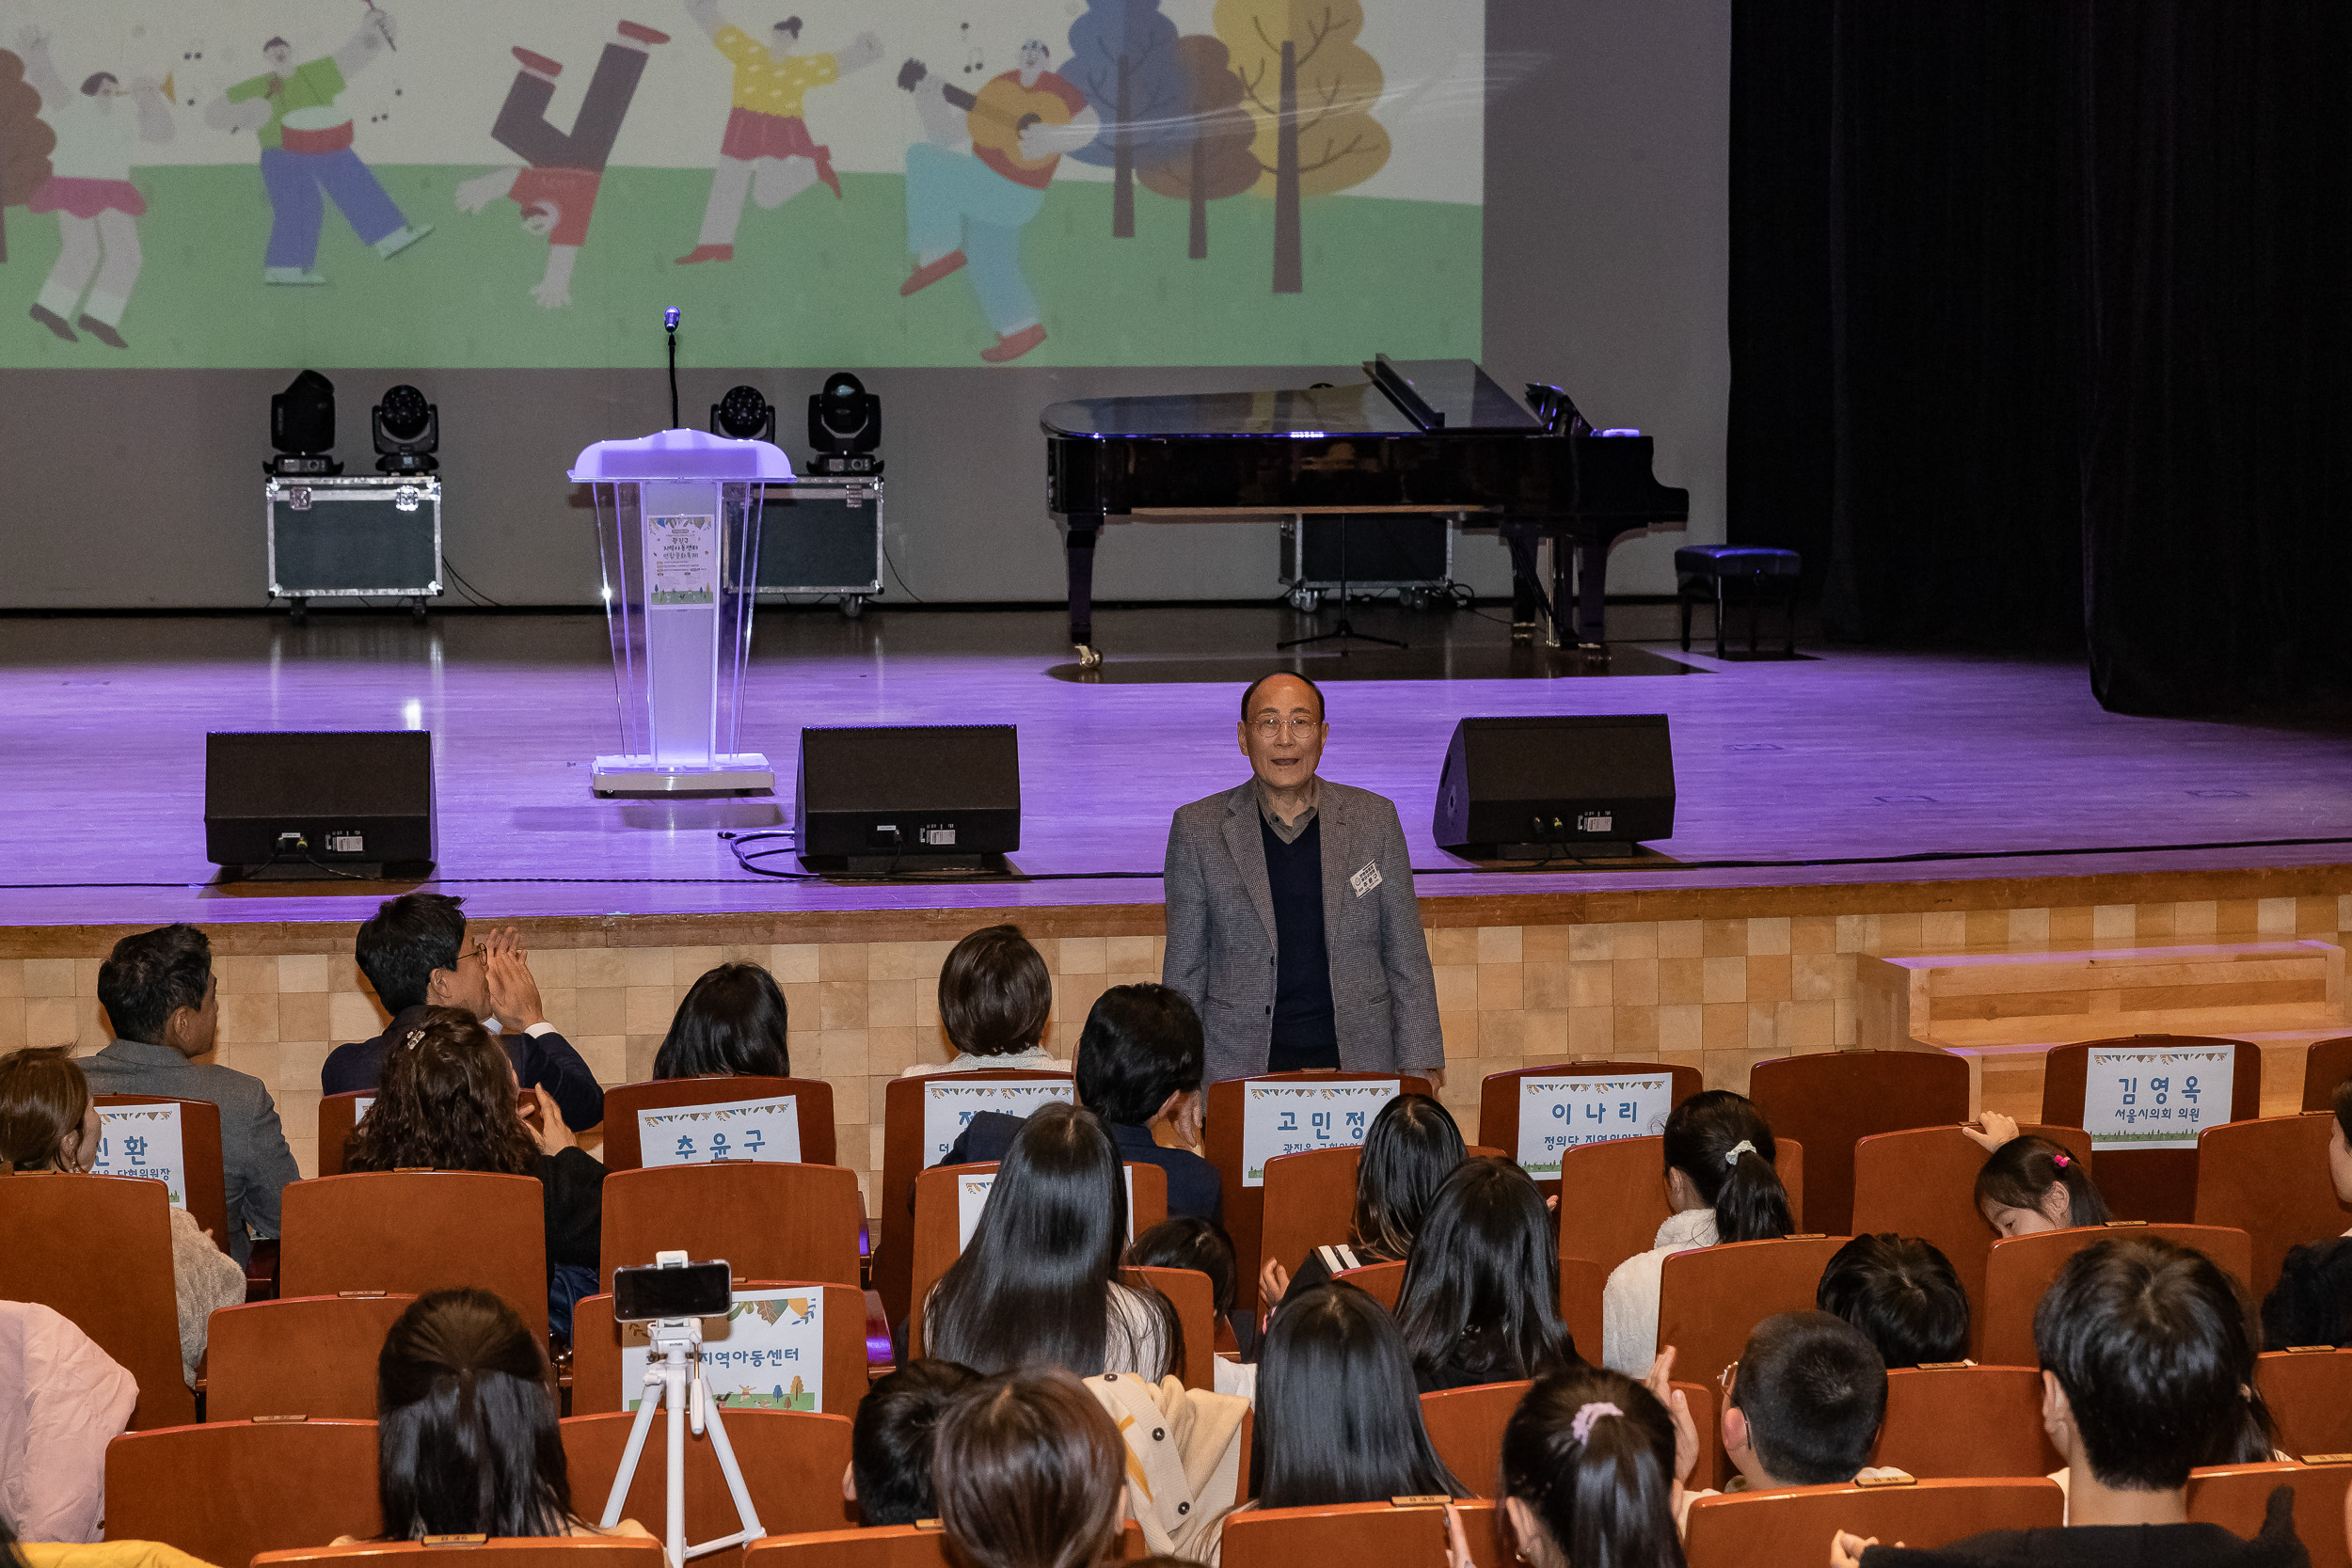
(306, 155)
(767, 151)
(89, 189)
(967, 210)
(557, 190)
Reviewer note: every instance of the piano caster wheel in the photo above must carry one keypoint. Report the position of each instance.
(1089, 657)
(1304, 600)
(1523, 631)
(853, 607)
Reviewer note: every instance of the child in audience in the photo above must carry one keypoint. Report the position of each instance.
(1804, 1405)
(449, 1100)
(467, 1440)
(1412, 1147)
(1339, 1416)
(1903, 1294)
(893, 1439)
(994, 997)
(1590, 1475)
(2144, 1349)
(49, 1125)
(2339, 1150)
(1201, 1245)
(1481, 1300)
(1030, 1473)
(2030, 1185)
(1722, 1186)
(1038, 1284)
(730, 1025)
(2311, 1304)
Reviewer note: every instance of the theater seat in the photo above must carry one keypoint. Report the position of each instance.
(2268, 1177)
(1411, 1535)
(2157, 1185)
(886, 1546)
(418, 1231)
(1711, 1299)
(1615, 1196)
(812, 1097)
(1466, 1427)
(769, 1221)
(1383, 1282)
(791, 1462)
(1793, 1528)
(301, 1356)
(97, 1251)
(580, 1552)
(2328, 1064)
(1965, 1421)
(2019, 1268)
(1582, 1283)
(2235, 1496)
(1830, 1100)
(2309, 1395)
(1309, 1202)
(226, 1490)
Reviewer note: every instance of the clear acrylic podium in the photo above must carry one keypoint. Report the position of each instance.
(678, 532)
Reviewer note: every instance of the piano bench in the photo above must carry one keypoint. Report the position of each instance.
(1702, 572)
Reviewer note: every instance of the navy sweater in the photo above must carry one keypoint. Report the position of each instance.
(1305, 1033)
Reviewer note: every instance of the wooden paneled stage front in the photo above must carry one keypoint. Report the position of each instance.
(1846, 821)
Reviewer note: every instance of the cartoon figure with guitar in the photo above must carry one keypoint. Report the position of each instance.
(968, 210)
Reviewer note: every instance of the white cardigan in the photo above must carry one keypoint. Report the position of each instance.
(1628, 1303)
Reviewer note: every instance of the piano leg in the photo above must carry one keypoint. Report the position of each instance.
(1591, 582)
(1078, 548)
(1526, 579)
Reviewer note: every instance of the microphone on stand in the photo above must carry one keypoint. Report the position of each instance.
(669, 322)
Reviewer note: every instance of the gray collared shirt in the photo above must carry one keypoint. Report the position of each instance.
(1287, 832)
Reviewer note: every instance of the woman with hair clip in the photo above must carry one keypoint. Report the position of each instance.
(467, 1441)
(730, 1025)
(1339, 1416)
(1030, 1473)
(1722, 1186)
(1038, 1285)
(1593, 1466)
(1481, 1302)
(2029, 1185)
(449, 1102)
(1412, 1147)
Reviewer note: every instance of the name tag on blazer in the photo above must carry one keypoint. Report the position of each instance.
(1366, 879)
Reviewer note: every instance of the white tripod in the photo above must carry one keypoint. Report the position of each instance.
(674, 1377)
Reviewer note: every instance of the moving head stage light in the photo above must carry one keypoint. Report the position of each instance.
(844, 427)
(743, 414)
(408, 432)
(302, 426)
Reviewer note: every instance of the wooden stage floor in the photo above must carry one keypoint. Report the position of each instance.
(1825, 771)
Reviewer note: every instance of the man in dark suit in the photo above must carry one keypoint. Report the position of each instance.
(1139, 1062)
(164, 1005)
(1291, 924)
(414, 952)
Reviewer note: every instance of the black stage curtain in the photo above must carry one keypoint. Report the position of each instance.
(2042, 330)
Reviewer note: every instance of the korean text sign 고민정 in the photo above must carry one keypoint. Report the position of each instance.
(1295, 1118)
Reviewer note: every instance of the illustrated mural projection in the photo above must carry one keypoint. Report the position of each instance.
(425, 183)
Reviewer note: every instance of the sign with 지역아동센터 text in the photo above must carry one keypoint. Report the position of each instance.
(948, 1106)
(2157, 1097)
(1293, 1117)
(1560, 1113)
(144, 1141)
(758, 1130)
(767, 1353)
(971, 1198)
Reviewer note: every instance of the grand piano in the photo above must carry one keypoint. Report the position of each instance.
(1435, 437)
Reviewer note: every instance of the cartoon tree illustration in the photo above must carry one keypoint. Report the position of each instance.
(1213, 161)
(25, 140)
(1310, 90)
(1122, 57)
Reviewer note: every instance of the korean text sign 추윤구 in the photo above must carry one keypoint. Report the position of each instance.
(762, 1129)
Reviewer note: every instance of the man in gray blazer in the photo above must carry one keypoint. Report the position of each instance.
(1292, 925)
(164, 1005)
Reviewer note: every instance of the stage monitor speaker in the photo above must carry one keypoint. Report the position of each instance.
(907, 797)
(1546, 787)
(299, 803)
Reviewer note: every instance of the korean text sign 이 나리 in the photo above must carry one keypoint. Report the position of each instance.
(1293, 1117)
(145, 1141)
(1560, 1113)
(763, 1130)
(2156, 1098)
(767, 1353)
(948, 1106)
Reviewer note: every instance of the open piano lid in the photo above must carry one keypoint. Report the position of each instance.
(1411, 397)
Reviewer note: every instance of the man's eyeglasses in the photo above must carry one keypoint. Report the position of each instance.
(1274, 729)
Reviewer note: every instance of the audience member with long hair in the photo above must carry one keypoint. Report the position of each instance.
(1038, 1285)
(1410, 1148)
(1722, 1186)
(2030, 1185)
(730, 1025)
(1903, 1293)
(467, 1441)
(994, 1000)
(49, 1125)
(1590, 1474)
(2145, 1350)
(1481, 1300)
(1338, 1415)
(1030, 1473)
(449, 1102)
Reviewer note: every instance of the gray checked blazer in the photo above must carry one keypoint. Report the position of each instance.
(1221, 932)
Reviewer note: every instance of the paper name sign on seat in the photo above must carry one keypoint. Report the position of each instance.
(972, 1196)
(757, 1130)
(1292, 1118)
(2156, 1098)
(767, 1353)
(949, 1107)
(1560, 1113)
(146, 1141)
